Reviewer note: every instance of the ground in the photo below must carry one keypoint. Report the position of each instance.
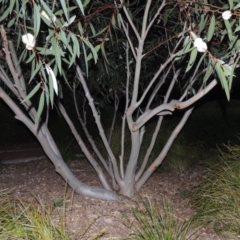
(26, 178)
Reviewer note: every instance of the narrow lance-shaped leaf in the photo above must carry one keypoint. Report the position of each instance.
(58, 51)
(203, 22)
(76, 49)
(33, 65)
(92, 29)
(5, 14)
(237, 6)
(31, 57)
(11, 23)
(208, 72)
(192, 59)
(36, 70)
(100, 32)
(229, 29)
(85, 57)
(237, 29)
(211, 28)
(64, 7)
(63, 38)
(86, 2)
(45, 51)
(40, 108)
(230, 4)
(46, 94)
(198, 65)
(37, 19)
(223, 79)
(79, 2)
(232, 74)
(35, 89)
(104, 53)
(46, 8)
(51, 91)
(94, 52)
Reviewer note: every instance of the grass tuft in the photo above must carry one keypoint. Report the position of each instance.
(21, 220)
(217, 197)
(156, 222)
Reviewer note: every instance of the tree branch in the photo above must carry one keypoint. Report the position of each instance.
(84, 148)
(100, 128)
(174, 104)
(89, 137)
(129, 19)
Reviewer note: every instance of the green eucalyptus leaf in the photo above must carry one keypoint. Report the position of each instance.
(40, 108)
(31, 57)
(192, 59)
(237, 6)
(65, 10)
(211, 28)
(11, 22)
(60, 12)
(230, 4)
(209, 72)
(229, 29)
(199, 64)
(5, 14)
(104, 53)
(79, 3)
(76, 47)
(86, 2)
(51, 89)
(237, 29)
(85, 57)
(46, 8)
(32, 93)
(45, 51)
(36, 70)
(223, 79)
(94, 52)
(36, 19)
(203, 22)
(46, 94)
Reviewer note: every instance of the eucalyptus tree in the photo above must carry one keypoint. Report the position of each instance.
(137, 51)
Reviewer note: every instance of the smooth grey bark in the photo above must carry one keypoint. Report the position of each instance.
(60, 166)
(83, 147)
(99, 125)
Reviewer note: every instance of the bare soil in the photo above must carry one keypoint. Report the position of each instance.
(38, 177)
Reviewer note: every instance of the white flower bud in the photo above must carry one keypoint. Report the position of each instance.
(226, 15)
(29, 40)
(200, 45)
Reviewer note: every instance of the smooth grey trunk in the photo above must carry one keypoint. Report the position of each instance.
(129, 180)
(60, 165)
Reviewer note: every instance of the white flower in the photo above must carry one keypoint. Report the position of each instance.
(50, 71)
(226, 15)
(29, 40)
(200, 45)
